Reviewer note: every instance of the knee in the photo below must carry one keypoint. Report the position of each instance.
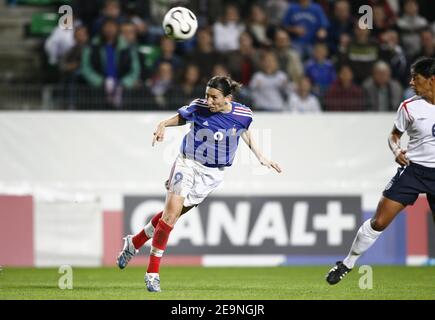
(378, 224)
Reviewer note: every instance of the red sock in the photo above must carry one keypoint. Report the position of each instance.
(156, 219)
(160, 240)
(140, 239)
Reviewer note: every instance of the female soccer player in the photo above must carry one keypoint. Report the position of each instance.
(209, 147)
(416, 173)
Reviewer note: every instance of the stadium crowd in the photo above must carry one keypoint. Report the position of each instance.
(295, 56)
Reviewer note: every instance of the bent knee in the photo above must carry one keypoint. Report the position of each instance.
(379, 224)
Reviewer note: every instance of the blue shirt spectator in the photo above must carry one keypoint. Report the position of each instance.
(320, 70)
(306, 21)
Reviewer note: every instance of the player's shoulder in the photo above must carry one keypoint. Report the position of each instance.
(414, 100)
(242, 110)
(200, 103)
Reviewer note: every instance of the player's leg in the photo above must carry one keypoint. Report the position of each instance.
(431, 201)
(372, 228)
(173, 209)
(148, 231)
(132, 244)
(366, 236)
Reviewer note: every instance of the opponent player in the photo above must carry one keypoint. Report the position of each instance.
(416, 173)
(209, 147)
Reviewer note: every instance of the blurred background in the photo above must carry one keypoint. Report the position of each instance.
(324, 61)
(77, 176)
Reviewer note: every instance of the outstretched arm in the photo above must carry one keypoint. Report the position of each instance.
(247, 137)
(394, 144)
(159, 133)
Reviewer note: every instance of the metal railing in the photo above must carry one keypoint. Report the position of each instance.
(84, 98)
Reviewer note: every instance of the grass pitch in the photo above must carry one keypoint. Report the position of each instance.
(197, 283)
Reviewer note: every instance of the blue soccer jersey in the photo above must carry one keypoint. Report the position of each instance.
(214, 136)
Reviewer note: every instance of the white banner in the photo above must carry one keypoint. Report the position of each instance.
(68, 233)
(111, 153)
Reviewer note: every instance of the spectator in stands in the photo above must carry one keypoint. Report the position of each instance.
(320, 69)
(344, 95)
(137, 12)
(244, 62)
(381, 22)
(87, 12)
(391, 7)
(111, 10)
(188, 88)
(306, 23)
(427, 44)
(220, 70)
(288, 58)
(341, 25)
(128, 32)
(134, 96)
(392, 52)
(167, 54)
(71, 61)
(227, 32)
(360, 55)
(382, 92)
(410, 25)
(58, 44)
(302, 100)
(204, 55)
(110, 64)
(275, 10)
(161, 83)
(269, 86)
(70, 65)
(258, 27)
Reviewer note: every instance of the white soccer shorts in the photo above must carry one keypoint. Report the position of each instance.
(193, 181)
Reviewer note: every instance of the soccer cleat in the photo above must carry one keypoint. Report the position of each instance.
(338, 272)
(128, 252)
(152, 281)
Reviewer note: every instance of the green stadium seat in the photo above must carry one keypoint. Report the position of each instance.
(43, 23)
(150, 54)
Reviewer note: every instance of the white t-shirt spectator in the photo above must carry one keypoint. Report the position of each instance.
(58, 43)
(410, 28)
(269, 91)
(302, 105)
(226, 36)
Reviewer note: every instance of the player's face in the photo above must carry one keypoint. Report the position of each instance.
(215, 99)
(420, 84)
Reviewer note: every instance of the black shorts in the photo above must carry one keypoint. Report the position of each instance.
(409, 182)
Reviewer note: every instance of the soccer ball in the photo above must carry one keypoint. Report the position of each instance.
(180, 23)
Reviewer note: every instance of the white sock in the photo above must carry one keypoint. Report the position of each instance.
(149, 230)
(364, 239)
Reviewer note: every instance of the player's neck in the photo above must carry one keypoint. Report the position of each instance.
(228, 107)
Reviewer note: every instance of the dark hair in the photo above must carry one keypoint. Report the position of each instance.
(224, 84)
(424, 66)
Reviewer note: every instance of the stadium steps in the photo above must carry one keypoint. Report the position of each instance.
(19, 56)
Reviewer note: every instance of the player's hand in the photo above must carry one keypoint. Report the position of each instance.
(401, 157)
(159, 134)
(270, 164)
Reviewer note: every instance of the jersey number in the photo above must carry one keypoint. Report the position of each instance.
(218, 136)
(433, 130)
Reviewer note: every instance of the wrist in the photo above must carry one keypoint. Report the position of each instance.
(397, 151)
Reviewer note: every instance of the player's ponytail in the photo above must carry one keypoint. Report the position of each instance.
(224, 84)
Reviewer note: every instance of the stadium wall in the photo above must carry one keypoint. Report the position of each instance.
(73, 184)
